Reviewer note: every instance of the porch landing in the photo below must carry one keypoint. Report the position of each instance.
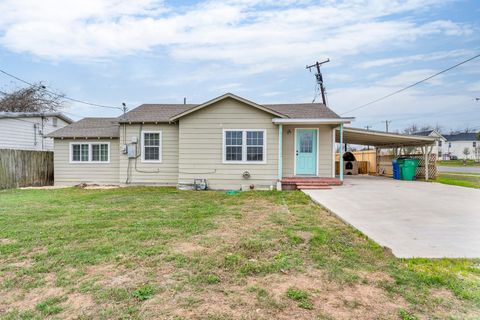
(309, 183)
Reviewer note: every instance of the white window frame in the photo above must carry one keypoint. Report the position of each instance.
(160, 147)
(244, 147)
(89, 161)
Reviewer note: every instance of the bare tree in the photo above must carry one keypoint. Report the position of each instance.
(31, 99)
(411, 129)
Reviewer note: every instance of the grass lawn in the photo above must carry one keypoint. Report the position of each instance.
(160, 253)
(469, 180)
(457, 163)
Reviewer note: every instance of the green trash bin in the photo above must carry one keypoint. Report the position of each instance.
(409, 168)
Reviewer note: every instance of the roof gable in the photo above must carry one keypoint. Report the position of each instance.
(223, 97)
(430, 133)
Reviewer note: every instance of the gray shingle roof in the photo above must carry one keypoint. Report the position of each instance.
(155, 112)
(163, 112)
(471, 136)
(109, 127)
(89, 128)
(423, 133)
(303, 110)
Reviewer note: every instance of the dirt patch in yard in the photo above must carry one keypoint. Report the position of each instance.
(329, 298)
(6, 241)
(187, 247)
(79, 305)
(26, 300)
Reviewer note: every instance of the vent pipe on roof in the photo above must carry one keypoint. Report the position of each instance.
(184, 100)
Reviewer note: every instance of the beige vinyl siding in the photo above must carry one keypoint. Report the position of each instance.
(66, 173)
(201, 146)
(160, 173)
(324, 150)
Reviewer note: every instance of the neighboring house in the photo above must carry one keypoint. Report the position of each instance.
(230, 141)
(439, 143)
(28, 130)
(456, 143)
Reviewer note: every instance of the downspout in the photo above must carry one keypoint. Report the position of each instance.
(280, 157)
(341, 153)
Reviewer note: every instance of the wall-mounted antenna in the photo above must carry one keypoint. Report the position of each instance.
(319, 78)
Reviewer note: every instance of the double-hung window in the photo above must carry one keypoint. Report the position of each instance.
(152, 146)
(99, 152)
(244, 146)
(89, 152)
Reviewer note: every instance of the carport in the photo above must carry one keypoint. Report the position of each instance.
(383, 140)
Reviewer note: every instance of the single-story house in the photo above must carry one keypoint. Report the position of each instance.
(29, 130)
(457, 143)
(230, 141)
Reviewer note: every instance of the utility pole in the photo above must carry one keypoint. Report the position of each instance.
(368, 128)
(387, 122)
(319, 77)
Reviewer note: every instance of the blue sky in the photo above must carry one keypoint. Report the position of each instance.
(145, 51)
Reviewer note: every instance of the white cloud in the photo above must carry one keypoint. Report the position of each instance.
(412, 106)
(474, 87)
(238, 32)
(408, 77)
(395, 61)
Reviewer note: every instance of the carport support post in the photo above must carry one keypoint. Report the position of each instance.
(280, 157)
(340, 164)
(427, 156)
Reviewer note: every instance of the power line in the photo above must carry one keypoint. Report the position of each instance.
(59, 95)
(412, 85)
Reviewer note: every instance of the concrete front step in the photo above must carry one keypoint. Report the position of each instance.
(312, 187)
(292, 183)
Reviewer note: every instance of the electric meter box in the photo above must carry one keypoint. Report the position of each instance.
(131, 150)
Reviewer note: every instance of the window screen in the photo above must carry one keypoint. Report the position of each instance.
(100, 152)
(234, 145)
(151, 146)
(254, 145)
(80, 152)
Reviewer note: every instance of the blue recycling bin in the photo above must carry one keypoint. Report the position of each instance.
(396, 170)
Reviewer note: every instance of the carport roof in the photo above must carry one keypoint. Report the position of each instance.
(382, 139)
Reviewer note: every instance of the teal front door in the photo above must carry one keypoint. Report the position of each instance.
(306, 152)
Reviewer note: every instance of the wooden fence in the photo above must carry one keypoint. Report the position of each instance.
(22, 168)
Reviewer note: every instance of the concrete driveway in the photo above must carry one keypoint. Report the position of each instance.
(414, 219)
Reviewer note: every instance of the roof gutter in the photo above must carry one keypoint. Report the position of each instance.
(312, 121)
